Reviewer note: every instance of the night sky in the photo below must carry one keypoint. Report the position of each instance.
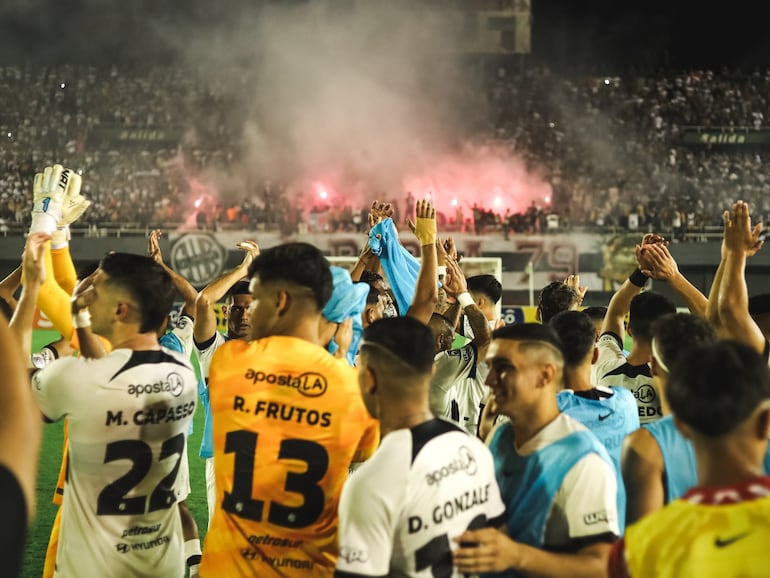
(567, 34)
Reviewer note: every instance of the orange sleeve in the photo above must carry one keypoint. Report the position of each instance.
(53, 300)
(369, 441)
(64, 269)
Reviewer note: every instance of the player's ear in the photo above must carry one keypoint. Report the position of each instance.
(282, 302)
(595, 356)
(763, 422)
(370, 381)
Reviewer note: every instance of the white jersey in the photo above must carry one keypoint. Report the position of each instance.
(402, 508)
(613, 370)
(128, 414)
(457, 388)
(205, 351)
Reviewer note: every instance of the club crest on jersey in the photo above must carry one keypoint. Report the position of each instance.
(173, 384)
(309, 384)
(463, 462)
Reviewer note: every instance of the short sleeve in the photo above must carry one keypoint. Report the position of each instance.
(54, 387)
(184, 332)
(587, 500)
(365, 528)
(610, 354)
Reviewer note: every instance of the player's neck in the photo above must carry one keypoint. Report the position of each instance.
(526, 427)
(302, 328)
(639, 354)
(578, 378)
(402, 417)
(134, 341)
(726, 463)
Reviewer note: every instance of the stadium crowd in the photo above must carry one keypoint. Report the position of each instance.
(346, 410)
(609, 146)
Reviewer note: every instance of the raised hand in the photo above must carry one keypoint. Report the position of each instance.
(454, 282)
(252, 250)
(574, 282)
(424, 227)
(379, 212)
(656, 262)
(739, 235)
(32, 262)
(153, 248)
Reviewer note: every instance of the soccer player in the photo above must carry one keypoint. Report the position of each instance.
(610, 413)
(288, 422)
(720, 397)
(658, 463)
(557, 481)
(486, 291)
(555, 298)
(613, 368)
(457, 389)
(207, 339)
(429, 480)
(129, 413)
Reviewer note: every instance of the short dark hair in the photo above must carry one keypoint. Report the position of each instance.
(240, 287)
(644, 309)
(487, 285)
(529, 332)
(577, 334)
(146, 281)
(85, 269)
(674, 333)
(299, 263)
(714, 387)
(596, 312)
(555, 298)
(405, 338)
(371, 277)
(373, 296)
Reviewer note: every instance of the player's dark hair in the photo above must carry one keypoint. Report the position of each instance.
(240, 287)
(85, 269)
(486, 285)
(405, 338)
(5, 309)
(371, 277)
(674, 333)
(299, 263)
(646, 308)
(577, 334)
(714, 387)
(373, 296)
(555, 298)
(530, 332)
(147, 283)
(596, 312)
(447, 330)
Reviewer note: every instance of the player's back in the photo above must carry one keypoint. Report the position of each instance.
(128, 417)
(705, 540)
(288, 422)
(424, 487)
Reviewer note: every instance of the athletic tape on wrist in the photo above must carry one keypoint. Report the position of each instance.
(465, 299)
(81, 319)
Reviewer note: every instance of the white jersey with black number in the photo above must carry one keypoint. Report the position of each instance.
(128, 414)
(457, 388)
(402, 508)
(613, 370)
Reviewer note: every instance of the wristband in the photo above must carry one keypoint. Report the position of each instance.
(638, 278)
(465, 299)
(441, 270)
(81, 319)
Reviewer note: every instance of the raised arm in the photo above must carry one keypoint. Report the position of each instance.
(20, 423)
(741, 240)
(457, 287)
(33, 265)
(426, 290)
(182, 285)
(205, 319)
(657, 263)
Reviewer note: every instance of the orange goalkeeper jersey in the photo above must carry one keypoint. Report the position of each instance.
(288, 422)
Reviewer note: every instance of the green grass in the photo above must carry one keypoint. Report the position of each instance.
(48, 471)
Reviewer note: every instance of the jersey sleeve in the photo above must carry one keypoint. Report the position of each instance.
(587, 500)
(448, 367)
(610, 354)
(366, 530)
(184, 332)
(54, 388)
(205, 352)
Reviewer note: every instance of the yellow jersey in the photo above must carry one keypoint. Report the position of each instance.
(708, 533)
(288, 422)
